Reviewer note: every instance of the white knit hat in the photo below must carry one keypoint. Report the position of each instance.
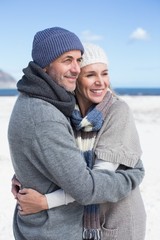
(93, 54)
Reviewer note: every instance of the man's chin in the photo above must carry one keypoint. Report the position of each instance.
(70, 89)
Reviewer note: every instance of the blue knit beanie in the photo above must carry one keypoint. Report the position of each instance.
(51, 43)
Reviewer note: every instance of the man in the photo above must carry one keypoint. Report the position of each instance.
(42, 144)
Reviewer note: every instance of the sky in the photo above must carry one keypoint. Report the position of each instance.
(128, 31)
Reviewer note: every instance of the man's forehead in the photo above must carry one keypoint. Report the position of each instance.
(72, 54)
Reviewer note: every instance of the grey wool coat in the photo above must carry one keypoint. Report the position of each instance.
(45, 158)
(117, 143)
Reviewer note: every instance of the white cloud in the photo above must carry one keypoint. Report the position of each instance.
(88, 36)
(139, 34)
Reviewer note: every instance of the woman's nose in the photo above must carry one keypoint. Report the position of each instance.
(99, 81)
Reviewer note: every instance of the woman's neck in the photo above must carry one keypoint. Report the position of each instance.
(83, 105)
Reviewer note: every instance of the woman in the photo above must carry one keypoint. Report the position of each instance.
(106, 134)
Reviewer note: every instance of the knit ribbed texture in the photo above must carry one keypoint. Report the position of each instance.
(86, 132)
(51, 43)
(35, 80)
(93, 54)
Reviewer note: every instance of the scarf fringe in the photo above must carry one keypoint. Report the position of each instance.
(92, 234)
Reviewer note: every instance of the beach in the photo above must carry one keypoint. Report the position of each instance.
(146, 111)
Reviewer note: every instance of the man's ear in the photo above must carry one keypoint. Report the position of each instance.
(45, 69)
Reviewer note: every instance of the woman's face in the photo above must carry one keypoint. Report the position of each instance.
(92, 85)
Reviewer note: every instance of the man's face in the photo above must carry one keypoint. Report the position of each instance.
(65, 69)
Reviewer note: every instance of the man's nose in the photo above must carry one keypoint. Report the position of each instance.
(75, 67)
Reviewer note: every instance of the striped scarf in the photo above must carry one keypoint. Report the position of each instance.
(86, 130)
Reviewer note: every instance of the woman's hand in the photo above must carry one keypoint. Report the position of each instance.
(30, 201)
(15, 187)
